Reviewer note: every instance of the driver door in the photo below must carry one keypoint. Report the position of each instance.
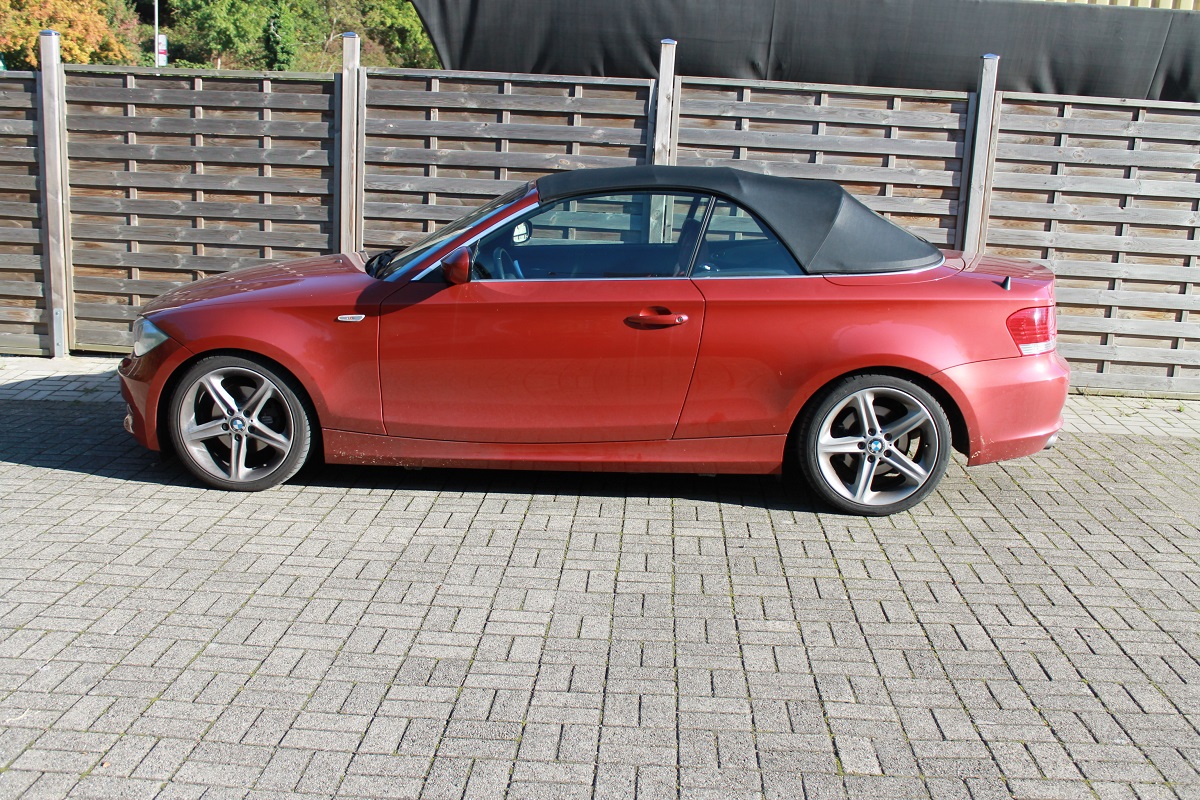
(580, 325)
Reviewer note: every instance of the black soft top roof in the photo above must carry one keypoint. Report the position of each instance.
(827, 229)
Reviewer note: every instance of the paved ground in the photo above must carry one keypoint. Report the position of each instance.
(1030, 632)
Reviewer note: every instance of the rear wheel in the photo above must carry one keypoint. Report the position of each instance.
(875, 445)
(239, 425)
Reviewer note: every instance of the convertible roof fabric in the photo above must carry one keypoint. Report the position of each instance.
(827, 229)
(1056, 48)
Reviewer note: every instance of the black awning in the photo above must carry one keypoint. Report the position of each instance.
(1056, 48)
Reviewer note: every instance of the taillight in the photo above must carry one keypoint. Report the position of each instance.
(1034, 330)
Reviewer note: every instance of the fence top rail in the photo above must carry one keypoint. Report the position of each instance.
(524, 77)
(12, 74)
(831, 88)
(1083, 100)
(173, 72)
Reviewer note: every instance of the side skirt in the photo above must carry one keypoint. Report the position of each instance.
(752, 455)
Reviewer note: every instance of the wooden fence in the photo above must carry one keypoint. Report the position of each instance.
(900, 151)
(175, 176)
(438, 143)
(117, 184)
(1106, 193)
(24, 323)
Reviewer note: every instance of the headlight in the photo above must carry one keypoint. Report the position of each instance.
(146, 336)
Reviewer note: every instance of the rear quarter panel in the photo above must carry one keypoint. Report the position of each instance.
(770, 343)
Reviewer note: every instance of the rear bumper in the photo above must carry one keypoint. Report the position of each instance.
(1012, 406)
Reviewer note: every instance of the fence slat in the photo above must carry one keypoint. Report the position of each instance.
(279, 156)
(223, 236)
(191, 182)
(278, 101)
(224, 126)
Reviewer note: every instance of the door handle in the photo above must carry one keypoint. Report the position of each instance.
(655, 317)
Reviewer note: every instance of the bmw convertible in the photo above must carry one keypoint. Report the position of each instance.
(673, 319)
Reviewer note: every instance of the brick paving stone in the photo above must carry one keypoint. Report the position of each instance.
(1030, 631)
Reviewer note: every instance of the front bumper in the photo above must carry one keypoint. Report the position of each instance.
(1012, 406)
(143, 379)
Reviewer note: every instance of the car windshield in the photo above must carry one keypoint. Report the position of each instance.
(414, 252)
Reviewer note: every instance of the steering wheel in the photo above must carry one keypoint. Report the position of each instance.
(506, 266)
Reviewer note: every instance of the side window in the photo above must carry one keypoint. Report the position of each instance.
(628, 235)
(736, 244)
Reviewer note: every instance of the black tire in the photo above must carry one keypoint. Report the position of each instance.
(874, 445)
(238, 424)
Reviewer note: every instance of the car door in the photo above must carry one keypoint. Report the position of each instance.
(579, 325)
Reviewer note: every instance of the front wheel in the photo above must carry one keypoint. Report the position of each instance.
(239, 425)
(874, 445)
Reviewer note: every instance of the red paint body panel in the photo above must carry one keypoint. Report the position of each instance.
(1012, 406)
(770, 343)
(537, 361)
(747, 455)
(288, 313)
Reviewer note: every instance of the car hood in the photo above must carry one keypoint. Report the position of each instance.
(322, 277)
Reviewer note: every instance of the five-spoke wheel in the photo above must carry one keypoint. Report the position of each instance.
(237, 424)
(875, 445)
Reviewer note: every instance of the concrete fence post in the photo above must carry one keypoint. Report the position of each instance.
(982, 143)
(349, 146)
(55, 194)
(663, 142)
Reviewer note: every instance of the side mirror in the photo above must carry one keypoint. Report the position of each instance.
(456, 267)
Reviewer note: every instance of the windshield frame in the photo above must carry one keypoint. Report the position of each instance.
(432, 244)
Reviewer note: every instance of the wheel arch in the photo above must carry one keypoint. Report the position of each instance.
(959, 434)
(162, 408)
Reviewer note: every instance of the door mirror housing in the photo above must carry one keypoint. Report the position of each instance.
(456, 267)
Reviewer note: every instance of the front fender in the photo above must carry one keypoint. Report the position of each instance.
(335, 362)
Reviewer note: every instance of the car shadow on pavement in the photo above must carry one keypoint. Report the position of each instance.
(87, 438)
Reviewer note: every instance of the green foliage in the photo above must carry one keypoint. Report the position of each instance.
(220, 29)
(394, 24)
(294, 34)
(280, 45)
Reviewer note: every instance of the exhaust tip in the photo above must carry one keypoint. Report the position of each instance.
(1053, 440)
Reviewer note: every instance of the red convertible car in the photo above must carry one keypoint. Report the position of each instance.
(675, 319)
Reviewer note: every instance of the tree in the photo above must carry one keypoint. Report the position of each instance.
(86, 35)
(280, 45)
(220, 29)
(397, 27)
(288, 34)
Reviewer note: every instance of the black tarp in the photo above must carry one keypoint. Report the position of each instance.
(1056, 48)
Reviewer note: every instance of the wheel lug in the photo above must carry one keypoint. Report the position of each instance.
(871, 459)
(862, 445)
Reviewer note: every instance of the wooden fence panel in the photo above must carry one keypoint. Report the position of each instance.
(440, 143)
(181, 174)
(900, 151)
(24, 320)
(1107, 193)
